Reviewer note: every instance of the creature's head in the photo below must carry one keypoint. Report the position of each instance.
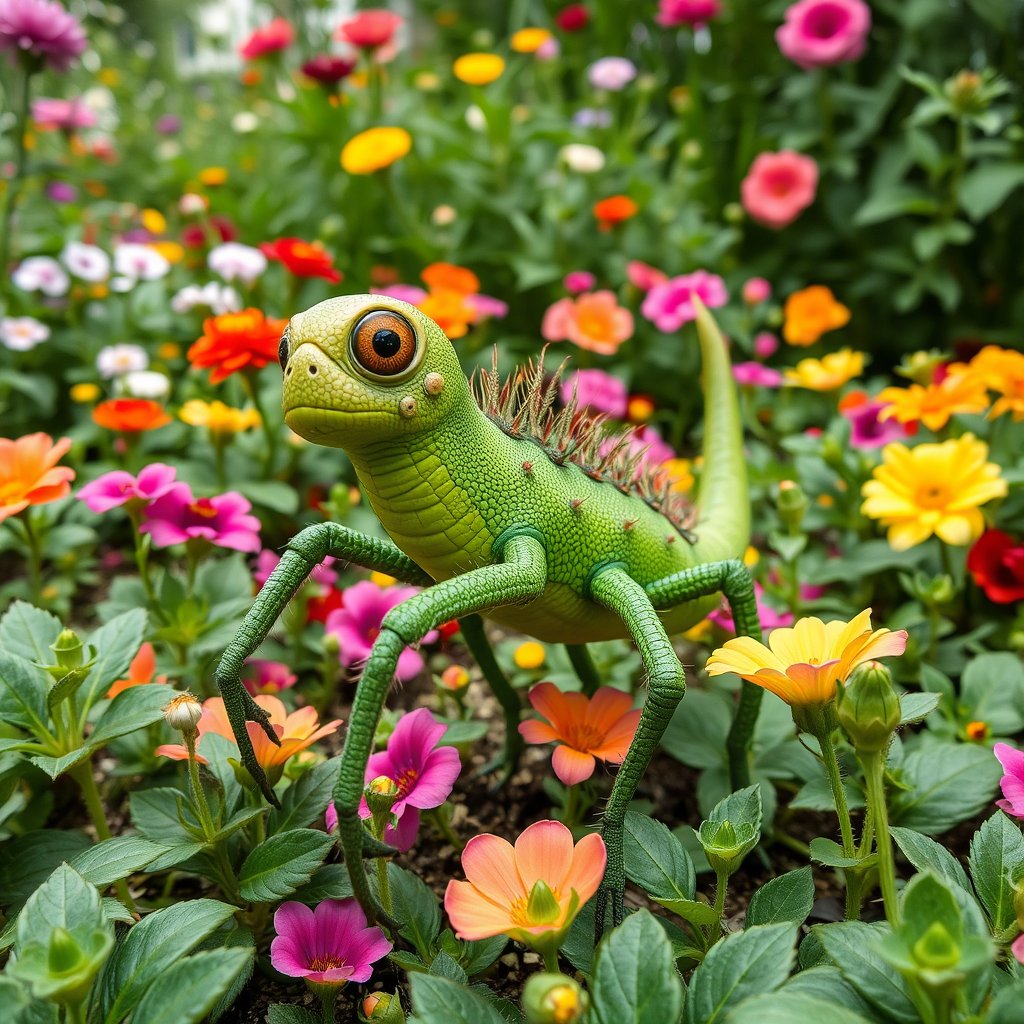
(361, 369)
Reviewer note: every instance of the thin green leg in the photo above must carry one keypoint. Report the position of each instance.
(305, 551)
(583, 666)
(480, 647)
(519, 577)
(617, 591)
(733, 579)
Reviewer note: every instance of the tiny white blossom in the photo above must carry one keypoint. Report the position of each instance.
(117, 360)
(41, 274)
(145, 384)
(476, 118)
(192, 202)
(581, 158)
(139, 262)
(233, 260)
(218, 298)
(245, 121)
(20, 333)
(88, 262)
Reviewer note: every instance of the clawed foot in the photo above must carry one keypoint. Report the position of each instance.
(609, 909)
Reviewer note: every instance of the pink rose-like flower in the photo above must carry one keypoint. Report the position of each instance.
(118, 487)
(178, 516)
(64, 114)
(643, 276)
(779, 187)
(1012, 782)
(670, 305)
(326, 946)
(819, 33)
(358, 624)
(756, 290)
(270, 38)
(867, 431)
(369, 29)
(41, 28)
(577, 281)
(594, 321)
(765, 345)
(598, 390)
(755, 375)
(687, 12)
(262, 676)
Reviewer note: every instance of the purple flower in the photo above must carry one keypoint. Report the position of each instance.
(61, 192)
(819, 33)
(770, 618)
(598, 390)
(867, 430)
(611, 73)
(1012, 782)
(592, 117)
(754, 375)
(178, 516)
(669, 305)
(267, 561)
(42, 29)
(358, 623)
(327, 946)
(168, 124)
(118, 487)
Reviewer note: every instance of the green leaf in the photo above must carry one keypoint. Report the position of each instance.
(927, 855)
(916, 706)
(635, 979)
(827, 982)
(440, 1001)
(1005, 1008)
(28, 631)
(280, 865)
(184, 992)
(65, 900)
(698, 729)
(741, 965)
(477, 956)
(114, 859)
(893, 201)
(329, 882)
(131, 709)
(286, 1013)
(446, 966)
(996, 860)
(656, 860)
(27, 861)
(116, 643)
(992, 691)
(54, 766)
(415, 904)
(155, 814)
(786, 1007)
(830, 853)
(274, 495)
(741, 808)
(305, 801)
(987, 186)
(789, 897)
(23, 689)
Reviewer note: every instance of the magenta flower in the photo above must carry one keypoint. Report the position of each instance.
(819, 33)
(41, 29)
(118, 487)
(410, 293)
(487, 307)
(326, 946)
(770, 617)
(1012, 782)
(756, 290)
(266, 562)
(669, 305)
(577, 281)
(779, 187)
(65, 114)
(867, 431)
(765, 344)
(643, 276)
(178, 516)
(262, 676)
(598, 390)
(687, 12)
(357, 624)
(754, 375)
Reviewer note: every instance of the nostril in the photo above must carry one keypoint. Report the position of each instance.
(312, 370)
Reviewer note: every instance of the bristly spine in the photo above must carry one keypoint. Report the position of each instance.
(523, 405)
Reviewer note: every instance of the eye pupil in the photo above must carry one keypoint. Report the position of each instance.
(383, 343)
(282, 350)
(387, 343)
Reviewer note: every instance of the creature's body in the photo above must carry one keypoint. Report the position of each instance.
(514, 512)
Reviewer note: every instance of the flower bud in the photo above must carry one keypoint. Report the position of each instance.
(966, 93)
(68, 649)
(869, 711)
(937, 949)
(332, 645)
(792, 505)
(732, 213)
(553, 999)
(381, 795)
(454, 678)
(183, 713)
(381, 1008)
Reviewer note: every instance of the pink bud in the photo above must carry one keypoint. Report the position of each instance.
(765, 345)
(756, 290)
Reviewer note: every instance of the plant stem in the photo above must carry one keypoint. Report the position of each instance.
(75, 1013)
(550, 954)
(35, 559)
(198, 795)
(721, 885)
(443, 824)
(835, 781)
(328, 998)
(874, 774)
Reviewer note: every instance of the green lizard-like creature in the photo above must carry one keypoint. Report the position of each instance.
(497, 504)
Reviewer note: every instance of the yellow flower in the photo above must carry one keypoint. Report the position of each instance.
(529, 40)
(153, 221)
(213, 175)
(382, 579)
(828, 373)
(678, 471)
(529, 655)
(478, 68)
(168, 350)
(935, 403)
(84, 392)
(932, 489)
(171, 251)
(218, 418)
(802, 664)
(751, 556)
(375, 149)
(812, 312)
(1002, 370)
(109, 77)
(699, 633)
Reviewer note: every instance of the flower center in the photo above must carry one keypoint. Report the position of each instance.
(203, 508)
(406, 782)
(326, 962)
(825, 21)
(584, 737)
(932, 496)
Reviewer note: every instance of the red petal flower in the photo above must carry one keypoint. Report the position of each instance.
(997, 565)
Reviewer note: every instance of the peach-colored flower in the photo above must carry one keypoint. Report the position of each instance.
(594, 321)
(779, 187)
(141, 671)
(29, 474)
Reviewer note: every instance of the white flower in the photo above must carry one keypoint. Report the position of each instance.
(139, 262)
(245, 121)
(476, 118)
(218, 298)
(233, 260)
(20, 333)
(88, 262)
(192, 202)
(41, 274)
(581, 158)
(145, 384)
(117, 360)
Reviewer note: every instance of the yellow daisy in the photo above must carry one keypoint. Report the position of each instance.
(934, 404)
(829, 373)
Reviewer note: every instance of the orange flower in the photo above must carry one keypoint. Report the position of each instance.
(130, 415)
(236, 341)
(29, 474)
(296, 731)
(812, 312)
(449, 277)
(586, 728)
(530, 892)
(1002, 370)
(614, 210)
(140, 671)
(935, 404)
(594, 321)
(449, 310)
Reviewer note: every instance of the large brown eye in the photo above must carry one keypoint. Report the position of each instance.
(384, 343)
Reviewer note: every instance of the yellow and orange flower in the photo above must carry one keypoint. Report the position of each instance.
(449, 310)
(141, 671)
(810, 313)
(451, 277)
(478, 68)
(614, 210)
(934, 404)
(1002, 371)
(529, 40)
(829, 373)
(29, 474)
(375, 149)
(804, 663)
(130, 415)
(236, 341)
(219, 419)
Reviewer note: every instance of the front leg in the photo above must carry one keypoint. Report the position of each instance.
(304, 552)
(519, 577)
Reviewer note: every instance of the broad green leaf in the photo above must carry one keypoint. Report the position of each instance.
(21, 1007)
(27, 861)
(987, 186)
(635, 979)
(23, 689)
(927, 855)
(155, 814)
(786, 1007)
(131, 709)
(287, 1013)
(65, 900)
(329, 882)
(789, 897)
(185, 991)
(893, 201)
(305, 801)
(113, 859)
(827, 982)
(116, 643)
(280, 865)
(996, 862)
(992, 691)
(416, 905)
(916, 706)
(479, 955)
(741, 808)
(656, 860)
(830, 853)
(55, 766)
(445, 966)
(28, 631)
(698, 729)
(440, 1001)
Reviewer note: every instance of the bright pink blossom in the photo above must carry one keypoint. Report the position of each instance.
(867, 431)
(670, 305)
(327, 946)
(487, 307)
(66, 115)
(779, 187)
(643, 276)
(178, 516)
(41, 28)
(819, 33)
(756, 375)
(769, 617)
(370, 29)
(577, 281)
(756, 290)
(601, 391)
(118, 487)
(410, 293)
(267, 561)
(270, 38)
(765, 345)
(262, 676)
(687, 12)
(1012, 782)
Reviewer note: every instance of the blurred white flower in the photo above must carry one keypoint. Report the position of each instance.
(88, 262)
(139, 262)
(218, 298)
(233, 260)
(192, 202)
(20, 333)
(145, 384)
(475, 118)
(581, 158)
(117, 360)
(611, 73)
(444, 215)
(41, 274)
(245, 121)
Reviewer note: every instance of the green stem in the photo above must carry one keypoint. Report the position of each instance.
(443, 824)
(252, 389)
(874, 775)
(198, 795)
(35, 558)
(721, 885)
(835, 781)
(550, 954)
(141, 541)
(328, 998)
(75, 1013)
(16, 182)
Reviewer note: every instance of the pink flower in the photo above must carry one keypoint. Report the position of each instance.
(754, 375)
(577, 281)
(612, 74)
(598, 390)
(267, 561)
(819, 33)
(765, 345)
(647, 440)
(370, 28)
(1017, 949)
(41, 28)
(327, 946)
(261, 676)
(1012, 782)
(687, 12)
(405, 292)
(770, 618)
(779, 187)
(118, 487)
(867, 431)
(178, 516)
(357, 625)
(64, 114)
(643, 276)
(594, 321)
(486, 306)
(270, 38)
(670, 305)
(756, 290)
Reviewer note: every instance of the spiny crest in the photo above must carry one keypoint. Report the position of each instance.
(523, 405)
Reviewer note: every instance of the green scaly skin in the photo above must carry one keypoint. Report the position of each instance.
(490, 525)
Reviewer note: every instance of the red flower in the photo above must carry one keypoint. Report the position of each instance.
(303, 259)
(572, 18)
(997, 565)
(278, 35)
(198, 236)
(327, 69)
(370, 28)
(130, 415)
(449, 629)
(236, 341)
(318, 608)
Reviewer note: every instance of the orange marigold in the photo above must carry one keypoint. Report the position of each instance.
(236, 341)
(1002, 370)
(810, 313)
(614, 210)
(130, 415)
(933, 405)
(29, 474)
(449, 310)
(448, 276)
